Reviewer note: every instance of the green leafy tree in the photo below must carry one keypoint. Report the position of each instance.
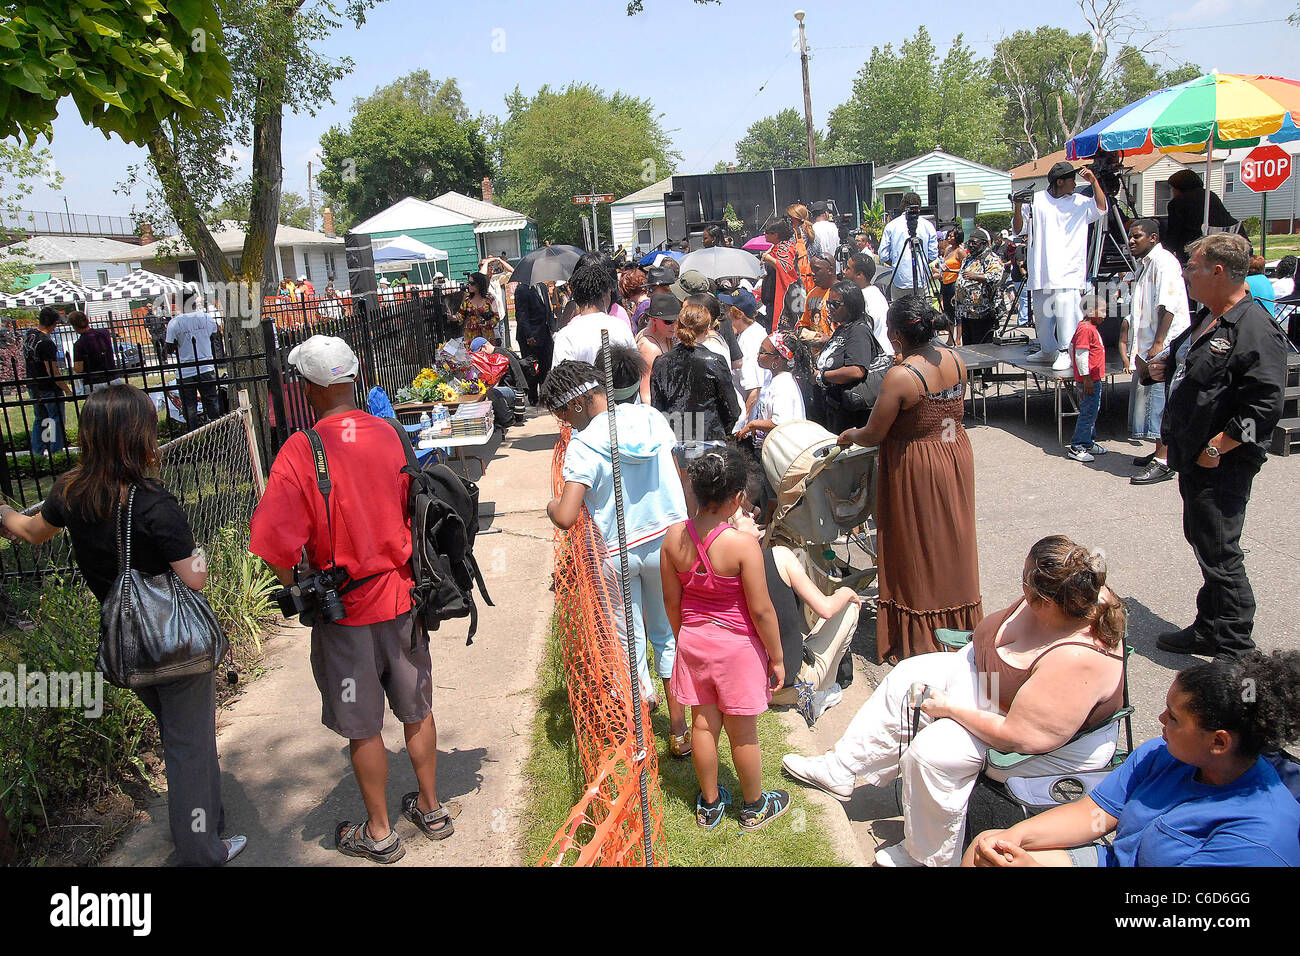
(562, 143)
(127, 65)
(638, 6)
(19, 166)
(777, 142)
(908, 102)
(1057, 83)
(413, 137)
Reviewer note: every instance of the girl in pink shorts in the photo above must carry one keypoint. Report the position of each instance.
(728, 643)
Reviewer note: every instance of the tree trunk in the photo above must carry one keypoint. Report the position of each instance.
(184, 208)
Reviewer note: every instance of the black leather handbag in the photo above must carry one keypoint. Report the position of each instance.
(154, 628)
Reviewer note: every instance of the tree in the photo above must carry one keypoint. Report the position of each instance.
(413, 137)
(294, 210)
(562, 143)
(910, 102)
(127, 65)
(638, 6)
(18, 166)
(1058, 83)
(777, 142)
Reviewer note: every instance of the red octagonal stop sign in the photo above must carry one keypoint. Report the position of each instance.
(1265, 168)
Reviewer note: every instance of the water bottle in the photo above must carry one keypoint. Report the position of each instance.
(424, 419)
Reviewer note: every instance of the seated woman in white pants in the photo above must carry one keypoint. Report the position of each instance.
(1032, 677)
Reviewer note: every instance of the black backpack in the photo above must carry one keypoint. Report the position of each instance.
(444, 521)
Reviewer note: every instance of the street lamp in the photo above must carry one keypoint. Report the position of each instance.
(807, 94)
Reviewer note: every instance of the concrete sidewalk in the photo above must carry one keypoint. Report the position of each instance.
(287, 780)
(1025, 489)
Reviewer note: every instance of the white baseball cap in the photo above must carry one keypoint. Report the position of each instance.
(325, 360)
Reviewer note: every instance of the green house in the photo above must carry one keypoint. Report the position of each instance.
(466, 229)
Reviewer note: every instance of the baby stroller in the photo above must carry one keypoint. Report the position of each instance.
(825, 496)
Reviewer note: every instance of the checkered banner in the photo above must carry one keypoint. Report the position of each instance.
(53, 291)
(139, 285)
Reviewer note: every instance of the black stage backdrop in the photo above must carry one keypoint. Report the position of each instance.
(760, 196)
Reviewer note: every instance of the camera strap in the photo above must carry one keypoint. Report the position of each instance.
(321, 464)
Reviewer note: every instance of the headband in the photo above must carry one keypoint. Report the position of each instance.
(778, 343)
(577, 390)
(623, 394)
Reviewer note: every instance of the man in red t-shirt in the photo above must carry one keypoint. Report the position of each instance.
(371, 653)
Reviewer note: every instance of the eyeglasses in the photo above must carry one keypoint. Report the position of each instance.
(768, 352)
(834, 304)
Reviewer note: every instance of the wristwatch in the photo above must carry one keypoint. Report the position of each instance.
(1212, 452)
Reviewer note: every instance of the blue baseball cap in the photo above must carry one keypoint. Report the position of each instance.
(477, 344)
(743, 300)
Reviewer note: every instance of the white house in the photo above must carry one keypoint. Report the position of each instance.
(980, 188)
(317, 255)
(1243, 202)
(85, 260)
(1147, 179)
(638, 220)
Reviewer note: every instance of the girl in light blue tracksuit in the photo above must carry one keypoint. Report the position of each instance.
(653, 501)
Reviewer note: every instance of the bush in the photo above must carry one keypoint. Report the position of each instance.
(54, 757)
(994, 222)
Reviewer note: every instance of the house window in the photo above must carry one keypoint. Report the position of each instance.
(1161, 198)
(334, 269)
(102, 276)
(286, 263)
(1229, 180)
(643, 235)
(306, 267)
(236, 263)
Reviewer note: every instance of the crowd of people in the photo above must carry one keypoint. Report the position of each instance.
(703, 372)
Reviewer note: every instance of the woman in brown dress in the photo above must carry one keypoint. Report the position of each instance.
(925, 506)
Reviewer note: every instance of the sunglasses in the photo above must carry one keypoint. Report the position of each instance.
(768, 352)
(834, 305)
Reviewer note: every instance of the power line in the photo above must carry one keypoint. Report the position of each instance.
(728, 130)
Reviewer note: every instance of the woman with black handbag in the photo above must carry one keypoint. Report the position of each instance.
(134, 547)
(846, 358)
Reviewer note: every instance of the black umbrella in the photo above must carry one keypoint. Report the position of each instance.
(547, 264)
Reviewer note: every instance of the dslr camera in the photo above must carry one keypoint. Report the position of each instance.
(1022, 196)
(314, 599)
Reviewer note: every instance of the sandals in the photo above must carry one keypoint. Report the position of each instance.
(708, 817)
(352, 839)
(772, 804)
(679, 747)
(436, 824)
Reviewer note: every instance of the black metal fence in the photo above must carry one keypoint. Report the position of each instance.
(394, 336)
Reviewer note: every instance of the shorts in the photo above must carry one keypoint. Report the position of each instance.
(357, 667)
(1084, 855)
(716, 667)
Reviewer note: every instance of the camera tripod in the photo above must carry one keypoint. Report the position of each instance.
(916, 253)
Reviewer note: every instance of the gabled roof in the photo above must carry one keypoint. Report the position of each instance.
(902, 164)
(475, 209)
(72, 249)
(1139, 164)
(652, 193)
(411, 213)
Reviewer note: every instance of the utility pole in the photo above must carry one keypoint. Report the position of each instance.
(807, 93)
(311, 200)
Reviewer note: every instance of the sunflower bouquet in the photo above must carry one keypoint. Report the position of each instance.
(445, 384)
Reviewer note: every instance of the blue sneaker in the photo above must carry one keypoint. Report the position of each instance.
(707, 817)
(770, 805)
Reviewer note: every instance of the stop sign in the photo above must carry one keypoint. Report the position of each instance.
(1265, 168)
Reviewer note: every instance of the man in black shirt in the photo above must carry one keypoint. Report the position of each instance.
(42, 359)
(1226, 375)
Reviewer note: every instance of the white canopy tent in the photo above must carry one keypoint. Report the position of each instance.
(420, 253)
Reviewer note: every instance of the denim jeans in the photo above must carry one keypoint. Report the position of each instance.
(1023, 307)
(47, 412)
(1085, 430)
(1146, 409)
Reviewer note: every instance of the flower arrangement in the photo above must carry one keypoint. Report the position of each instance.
(445, 384)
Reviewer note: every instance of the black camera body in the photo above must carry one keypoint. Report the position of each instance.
(1022, 196)
(315, 598)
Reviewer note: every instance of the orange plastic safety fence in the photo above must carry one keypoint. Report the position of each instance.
(606, 827)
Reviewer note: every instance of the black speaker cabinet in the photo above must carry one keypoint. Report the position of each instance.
(361, 263)
(675, 215)
(942, 190)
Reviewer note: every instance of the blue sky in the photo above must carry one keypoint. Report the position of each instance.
(711, 70)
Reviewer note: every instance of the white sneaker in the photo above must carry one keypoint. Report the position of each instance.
(1062, 363)
(817, 772)
(1043, 358)
(824, 700)
(1079, 453)
(895, 856)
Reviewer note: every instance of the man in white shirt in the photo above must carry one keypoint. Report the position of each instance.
(1058, 258)
(824, 229)
(580, 339)
(895, 252)
(1159, 314)
(742, 309)
(189, 339)
(860, 271)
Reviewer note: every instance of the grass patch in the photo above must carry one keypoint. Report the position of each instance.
(554, 784)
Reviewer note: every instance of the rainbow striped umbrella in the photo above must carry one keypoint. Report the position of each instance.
(1215, 111)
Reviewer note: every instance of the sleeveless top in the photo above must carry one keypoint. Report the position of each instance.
(1011, 678)
(928, 419)
(709, 598)
(789, 618)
